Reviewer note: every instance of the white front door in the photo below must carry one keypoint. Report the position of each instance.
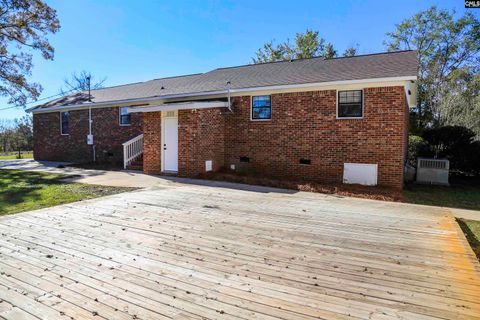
(170, 144)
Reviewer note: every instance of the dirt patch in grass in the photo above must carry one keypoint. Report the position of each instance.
(29, 190)
(375, 193)
(471, 229)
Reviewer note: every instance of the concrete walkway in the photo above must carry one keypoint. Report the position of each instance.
(90, 176)
(124, 178)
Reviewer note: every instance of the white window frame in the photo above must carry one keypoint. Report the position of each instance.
(61, 124)
(251, 108)
(363, 104)
(120, 118)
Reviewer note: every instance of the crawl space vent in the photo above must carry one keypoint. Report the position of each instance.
(305, 161)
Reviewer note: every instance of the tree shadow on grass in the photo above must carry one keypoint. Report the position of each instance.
(20, 186)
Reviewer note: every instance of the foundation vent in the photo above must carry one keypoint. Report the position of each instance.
(305, 161)
(208, 165)
(244, 159)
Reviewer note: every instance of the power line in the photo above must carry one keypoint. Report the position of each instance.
(53, 96)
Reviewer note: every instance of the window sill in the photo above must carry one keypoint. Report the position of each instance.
(260, 120)
(350, 118)
(125, 125)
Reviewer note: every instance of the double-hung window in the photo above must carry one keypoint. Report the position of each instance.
(125, 119)
(261, 108)
(64, 122)
(350, 104)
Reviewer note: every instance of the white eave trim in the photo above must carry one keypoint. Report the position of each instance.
(179, 106)
(220, 92)
(323, 84)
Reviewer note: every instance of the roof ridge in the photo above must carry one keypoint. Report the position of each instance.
(249, 65)
(157, 79)
(371, 54)
(181, 76)
(115, 86)
(311, 58)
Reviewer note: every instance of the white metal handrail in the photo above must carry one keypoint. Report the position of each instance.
(132, 149)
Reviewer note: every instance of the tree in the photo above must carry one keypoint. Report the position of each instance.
(444, 45)
(306, 45)
(460, 103)
(24, 25)
(454, 143)
(23, 135)
(16, 135)
(330, 52)
(351, 51)
(81, 82)
(5, 134)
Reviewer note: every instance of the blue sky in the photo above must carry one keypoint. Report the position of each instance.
(131, 41)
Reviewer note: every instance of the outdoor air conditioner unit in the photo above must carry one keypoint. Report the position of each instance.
(433, 171)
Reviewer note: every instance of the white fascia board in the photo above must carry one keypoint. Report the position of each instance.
(324, 84)
(218, 92)
(179, 106)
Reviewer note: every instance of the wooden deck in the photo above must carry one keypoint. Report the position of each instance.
(193, 252)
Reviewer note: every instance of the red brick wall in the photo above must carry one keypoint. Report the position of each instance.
(152, 142)
(200, 138)
(304, 125)
(107, 133)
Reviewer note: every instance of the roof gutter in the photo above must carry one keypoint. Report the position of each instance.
(218, 92)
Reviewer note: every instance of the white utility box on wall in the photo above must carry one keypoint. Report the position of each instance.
(360, 173)
(89, 139)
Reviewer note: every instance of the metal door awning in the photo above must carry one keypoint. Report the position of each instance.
(180, 106)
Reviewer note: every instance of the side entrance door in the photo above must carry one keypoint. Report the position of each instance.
(170, 141)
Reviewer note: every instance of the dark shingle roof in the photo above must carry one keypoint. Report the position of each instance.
(314, 70)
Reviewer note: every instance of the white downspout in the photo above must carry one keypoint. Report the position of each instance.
(90, 131)
(90, 121)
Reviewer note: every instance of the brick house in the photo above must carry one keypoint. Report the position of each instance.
(326, 120)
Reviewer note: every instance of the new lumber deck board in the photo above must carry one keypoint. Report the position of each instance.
(195, 252)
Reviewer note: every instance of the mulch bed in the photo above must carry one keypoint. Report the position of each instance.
(359, 191)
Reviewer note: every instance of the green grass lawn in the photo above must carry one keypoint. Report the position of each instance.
(455, 196)
(28, 190)
(472, 232)
(10, 156)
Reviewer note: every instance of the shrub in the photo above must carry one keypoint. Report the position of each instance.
(417, 147)
(455, 143)
(474, 158)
